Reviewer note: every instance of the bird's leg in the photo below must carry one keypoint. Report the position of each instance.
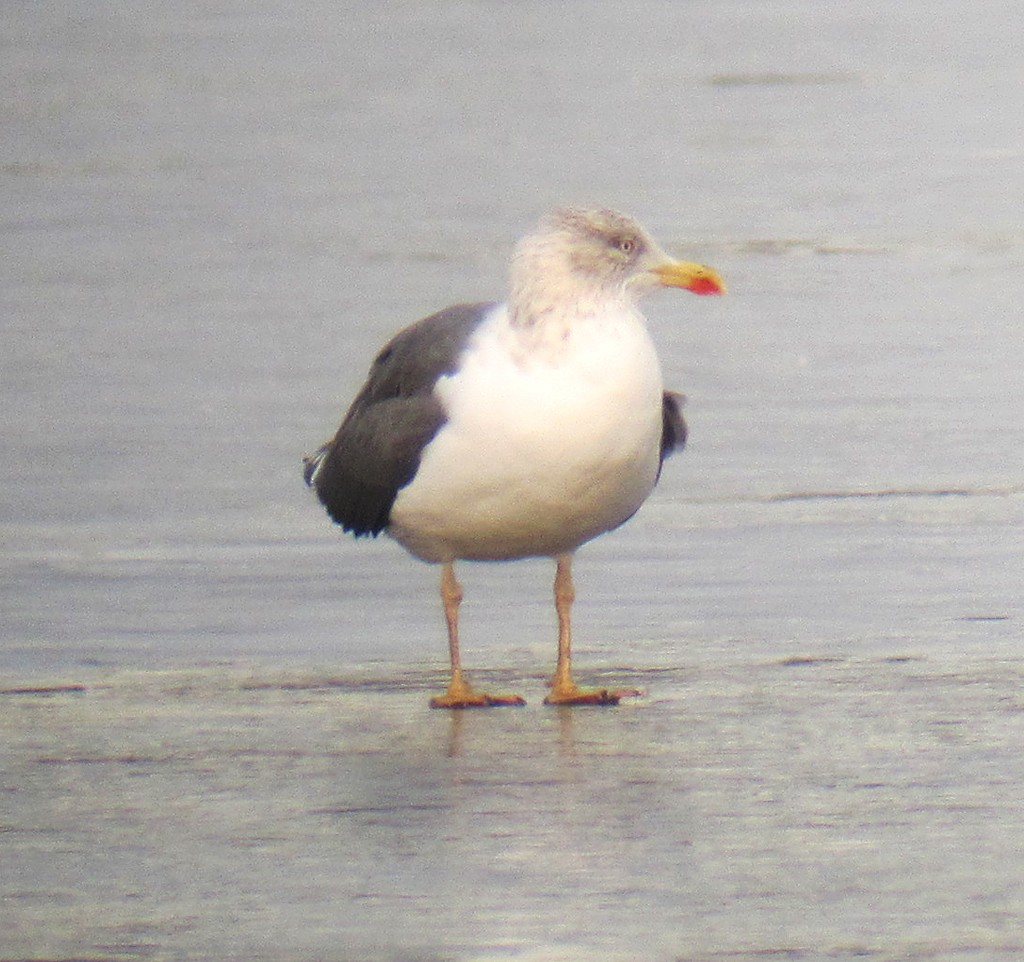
(565, 595)
(460, 694)
(564, 691)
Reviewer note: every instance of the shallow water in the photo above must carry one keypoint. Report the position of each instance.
(216, 740)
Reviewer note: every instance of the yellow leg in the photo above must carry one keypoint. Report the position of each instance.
(460, 694)
(564, 691)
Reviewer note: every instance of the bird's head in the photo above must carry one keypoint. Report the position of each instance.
(600, 253)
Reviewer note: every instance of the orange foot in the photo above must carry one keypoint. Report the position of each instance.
(574, 695)
(460, 695)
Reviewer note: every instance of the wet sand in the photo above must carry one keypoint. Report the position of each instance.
(803, 808)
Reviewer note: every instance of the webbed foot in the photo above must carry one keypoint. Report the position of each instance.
(461, 695)
(574, 695)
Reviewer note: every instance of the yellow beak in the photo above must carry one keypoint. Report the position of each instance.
(692, 277)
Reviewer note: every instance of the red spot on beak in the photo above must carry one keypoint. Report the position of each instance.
(706, 285)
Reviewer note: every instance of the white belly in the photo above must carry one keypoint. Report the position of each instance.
(539, 454)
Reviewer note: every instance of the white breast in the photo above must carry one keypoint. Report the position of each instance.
(544, 448)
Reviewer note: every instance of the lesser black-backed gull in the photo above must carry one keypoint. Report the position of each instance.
(496, 431)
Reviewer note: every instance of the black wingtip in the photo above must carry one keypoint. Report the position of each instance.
(358, 508)
(673, 425)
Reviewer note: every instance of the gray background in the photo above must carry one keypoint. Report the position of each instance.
(213, 215)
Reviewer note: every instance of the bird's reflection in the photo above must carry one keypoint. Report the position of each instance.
(461, 725)
(456, 731)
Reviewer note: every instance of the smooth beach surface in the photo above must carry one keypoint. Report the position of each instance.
(213, 706)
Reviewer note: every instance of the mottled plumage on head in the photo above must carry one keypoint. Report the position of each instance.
(607, 246)
(578, 255)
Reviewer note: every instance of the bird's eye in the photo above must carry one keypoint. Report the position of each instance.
(626, 245)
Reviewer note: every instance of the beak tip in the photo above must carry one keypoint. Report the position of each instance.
(709, 285)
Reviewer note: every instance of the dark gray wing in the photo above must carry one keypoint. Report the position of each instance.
(673, 427)
(377, 450)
